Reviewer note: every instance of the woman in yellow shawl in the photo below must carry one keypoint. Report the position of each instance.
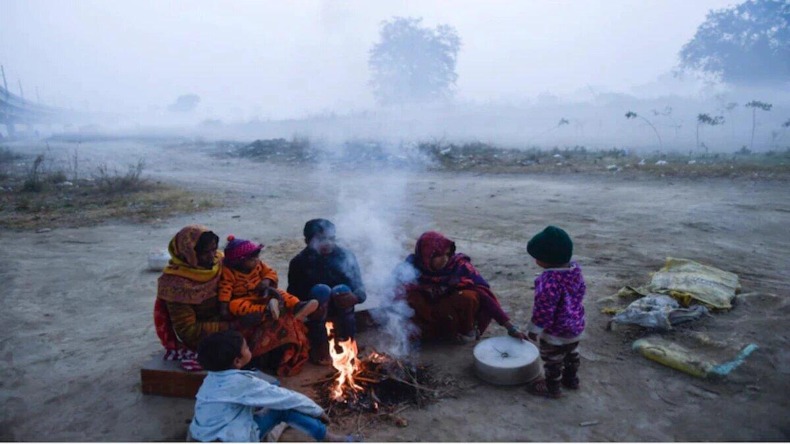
(187, 307)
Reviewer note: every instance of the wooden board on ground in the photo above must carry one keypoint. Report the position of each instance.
(167, 378)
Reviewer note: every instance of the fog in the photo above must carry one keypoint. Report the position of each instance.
(275, 69)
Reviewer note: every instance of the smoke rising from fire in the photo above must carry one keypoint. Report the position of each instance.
(370, 222)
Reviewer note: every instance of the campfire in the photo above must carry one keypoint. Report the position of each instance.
(375, 382)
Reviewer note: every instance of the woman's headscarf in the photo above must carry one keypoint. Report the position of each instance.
(183, 280)
(458, 271)
(429, 245)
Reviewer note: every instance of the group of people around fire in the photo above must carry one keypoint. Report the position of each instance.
(224, 311)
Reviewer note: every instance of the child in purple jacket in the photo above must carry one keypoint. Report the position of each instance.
(558, 312)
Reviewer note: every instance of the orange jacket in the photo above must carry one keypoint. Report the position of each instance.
(234, 284)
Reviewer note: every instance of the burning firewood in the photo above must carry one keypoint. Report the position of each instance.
(376, 383)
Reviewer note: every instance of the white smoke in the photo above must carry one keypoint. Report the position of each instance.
(368, 223)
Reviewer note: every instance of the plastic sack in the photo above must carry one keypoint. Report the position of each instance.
(658, 311)
(680, 358)
(687, 282)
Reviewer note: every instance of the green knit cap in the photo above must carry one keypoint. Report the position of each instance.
(552, 245)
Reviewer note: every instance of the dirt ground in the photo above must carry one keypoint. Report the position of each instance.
(77, 302)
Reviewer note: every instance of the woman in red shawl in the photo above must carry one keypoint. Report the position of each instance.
(187, 308)
(449, 297)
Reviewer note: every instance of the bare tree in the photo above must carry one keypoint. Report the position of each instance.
(754, 105)
(705, 119)
(633, 115)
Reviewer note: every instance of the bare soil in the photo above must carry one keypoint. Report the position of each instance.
(77, 301)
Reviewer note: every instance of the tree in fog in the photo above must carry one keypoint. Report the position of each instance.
(633, 115)
(413, 63)
(755, 105)
(185, 103)
(748, 44)
(706, 119)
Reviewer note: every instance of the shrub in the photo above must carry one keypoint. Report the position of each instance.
(117, 182)
(33, 181)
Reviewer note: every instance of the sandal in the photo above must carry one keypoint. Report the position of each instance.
(541, 388)
(274, 308)
(305, 309)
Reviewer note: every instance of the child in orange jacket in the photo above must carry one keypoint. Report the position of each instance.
(248, 286)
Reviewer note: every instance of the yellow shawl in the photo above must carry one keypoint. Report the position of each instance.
(183, 280)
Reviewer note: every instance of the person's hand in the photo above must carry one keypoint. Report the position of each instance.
(324, 418)
(251, 320)
(515, 333)
(266, 290)
(345, 300)
(532, 337)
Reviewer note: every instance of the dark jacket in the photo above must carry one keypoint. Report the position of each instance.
(309, 268)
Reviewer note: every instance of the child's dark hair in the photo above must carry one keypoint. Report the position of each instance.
(217, 351)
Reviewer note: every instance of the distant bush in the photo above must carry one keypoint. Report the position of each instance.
(117, 182)
(33, 182)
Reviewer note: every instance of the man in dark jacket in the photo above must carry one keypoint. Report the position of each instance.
(330, 274)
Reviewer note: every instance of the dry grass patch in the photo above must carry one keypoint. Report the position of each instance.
(33, 198)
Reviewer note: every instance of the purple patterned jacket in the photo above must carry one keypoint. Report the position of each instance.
(558, 312)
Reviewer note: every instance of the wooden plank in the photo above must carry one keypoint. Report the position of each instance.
(167, 378)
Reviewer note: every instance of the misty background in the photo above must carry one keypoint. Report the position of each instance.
(528, 73)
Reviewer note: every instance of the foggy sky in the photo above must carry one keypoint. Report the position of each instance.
(289, 59)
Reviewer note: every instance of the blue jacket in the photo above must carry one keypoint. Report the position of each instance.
(227, 400)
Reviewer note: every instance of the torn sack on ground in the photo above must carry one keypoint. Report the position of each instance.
(689, 282)
(658, 311)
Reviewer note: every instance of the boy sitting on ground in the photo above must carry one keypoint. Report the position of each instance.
(229, 397)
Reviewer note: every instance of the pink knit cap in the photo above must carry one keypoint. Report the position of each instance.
(239, 249)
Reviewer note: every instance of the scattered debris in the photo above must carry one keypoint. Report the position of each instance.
(680, 358)
(658, 311)
(682, 291)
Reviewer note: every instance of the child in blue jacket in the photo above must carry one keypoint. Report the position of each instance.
(229, 397)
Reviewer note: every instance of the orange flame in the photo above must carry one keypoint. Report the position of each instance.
(346, 363)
